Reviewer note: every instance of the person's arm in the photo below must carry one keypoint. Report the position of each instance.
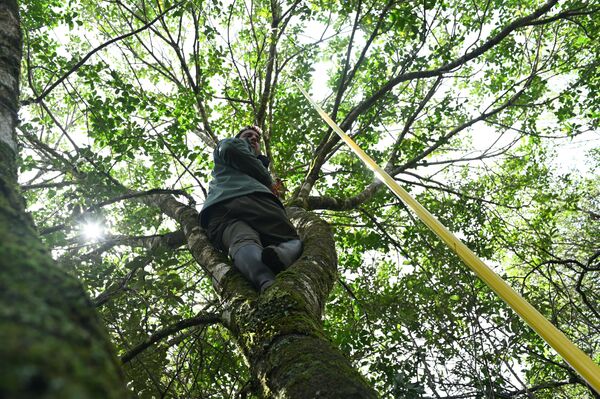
(237, 154)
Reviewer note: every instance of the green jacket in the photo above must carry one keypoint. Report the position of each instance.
(237, 172)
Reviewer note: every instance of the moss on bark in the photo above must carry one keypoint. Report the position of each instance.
(52, 343)
(298, 366)
(280, 332)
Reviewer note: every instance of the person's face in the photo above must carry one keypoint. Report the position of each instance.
(254, 139)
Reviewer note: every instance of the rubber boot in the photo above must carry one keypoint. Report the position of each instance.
(280, 257)
(248, 261)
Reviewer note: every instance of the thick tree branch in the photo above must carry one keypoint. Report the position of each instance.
(264, 97)
(342, 84)
(130, 195)
(138, 194)
(346, 79)
(565, 15)
(153, 243)
(38, 186)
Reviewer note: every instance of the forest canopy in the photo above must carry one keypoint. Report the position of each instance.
(487, 112)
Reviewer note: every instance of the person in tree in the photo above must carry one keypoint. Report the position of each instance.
(242, 213)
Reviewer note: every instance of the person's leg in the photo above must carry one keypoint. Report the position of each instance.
(246, 251)
(282, 256)
(282, 244)
(228, 233)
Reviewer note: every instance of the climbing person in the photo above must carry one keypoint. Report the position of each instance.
(242, 213)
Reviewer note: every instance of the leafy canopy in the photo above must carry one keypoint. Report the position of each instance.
(473, 106)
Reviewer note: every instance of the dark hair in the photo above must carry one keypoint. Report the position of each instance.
(249, 127)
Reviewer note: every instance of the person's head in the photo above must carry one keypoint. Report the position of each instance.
(252, 134)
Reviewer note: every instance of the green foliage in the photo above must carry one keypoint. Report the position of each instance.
(146, 112)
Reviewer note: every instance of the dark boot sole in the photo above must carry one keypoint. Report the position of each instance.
(270, 258)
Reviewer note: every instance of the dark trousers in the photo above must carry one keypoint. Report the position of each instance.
(249, 219)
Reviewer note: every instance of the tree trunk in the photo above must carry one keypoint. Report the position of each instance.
(52, 344)
(280, 332)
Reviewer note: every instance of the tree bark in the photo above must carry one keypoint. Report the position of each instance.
(281, 335)
(52, 343)
(280, 332)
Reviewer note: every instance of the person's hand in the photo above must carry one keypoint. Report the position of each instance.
(277, 188)
(265, 161)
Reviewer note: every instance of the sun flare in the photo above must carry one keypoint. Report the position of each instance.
(92, 231)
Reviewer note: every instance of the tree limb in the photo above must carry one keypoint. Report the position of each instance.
(153, 243)
(139, 262)
(94, 51)
(205, 319)
(489, 44)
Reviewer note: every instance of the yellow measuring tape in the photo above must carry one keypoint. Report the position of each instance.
(580, 362)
